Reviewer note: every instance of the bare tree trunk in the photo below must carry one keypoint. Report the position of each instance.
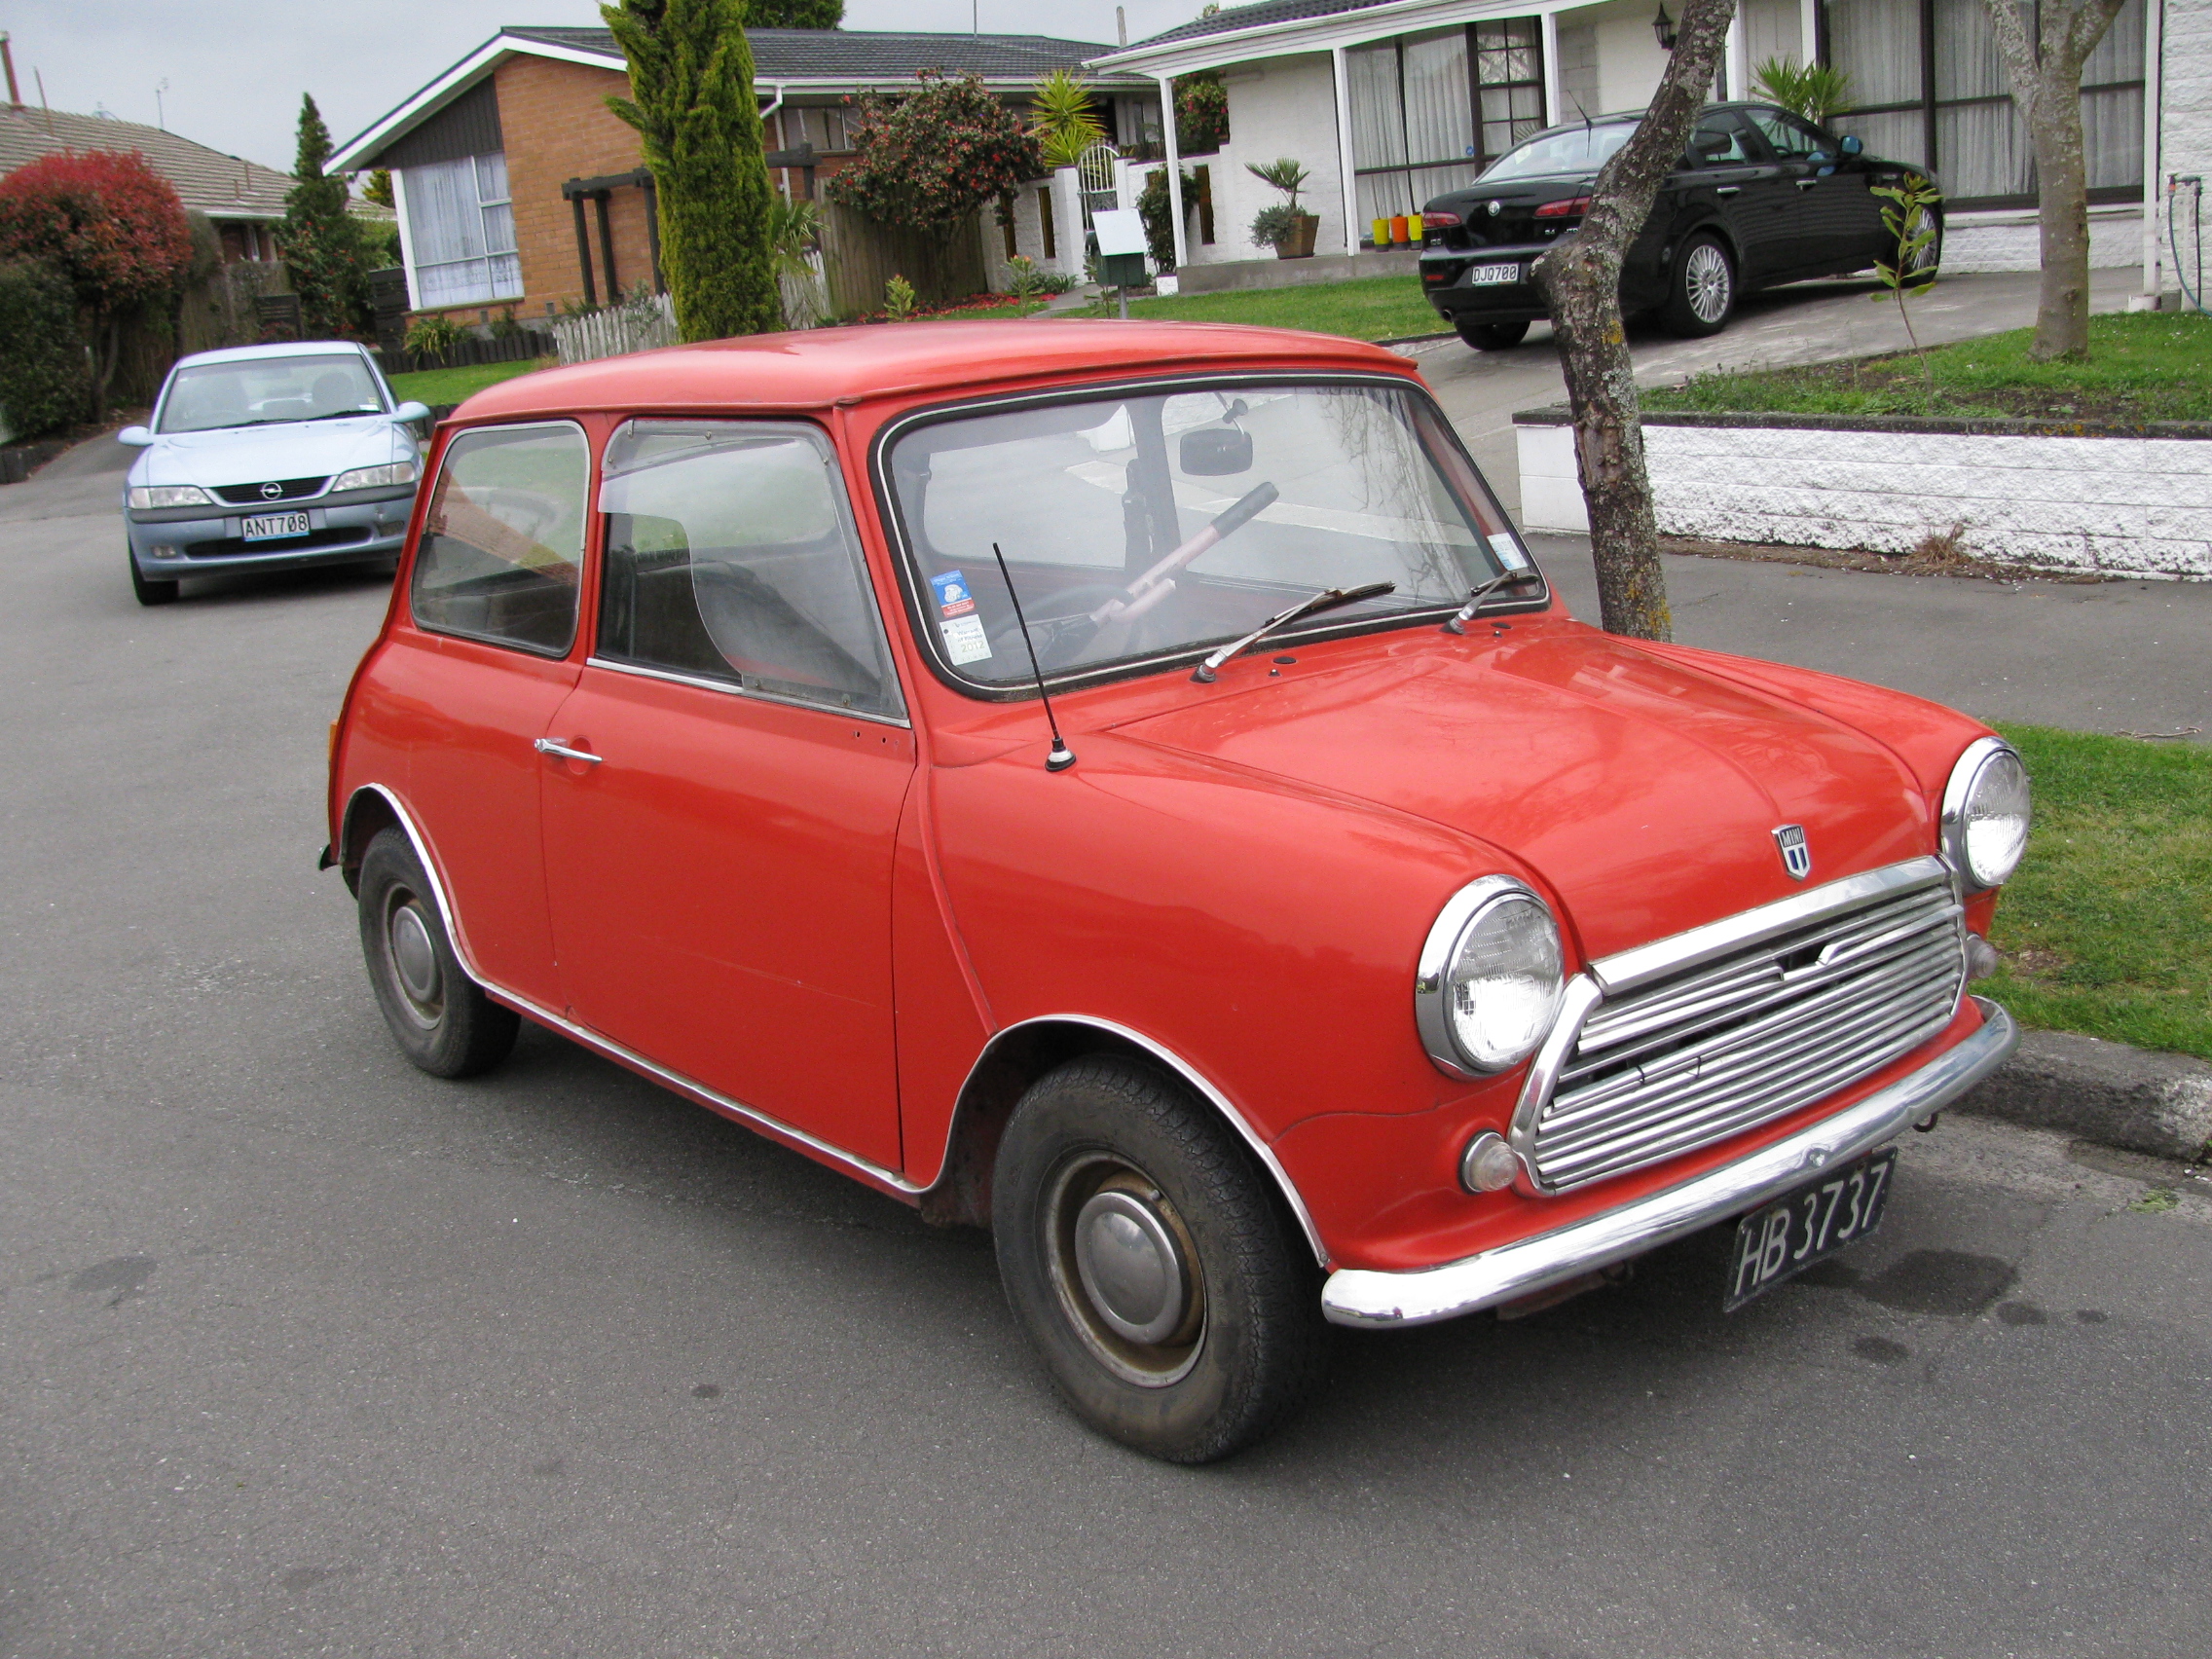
(2047, 85)
(1580, 275)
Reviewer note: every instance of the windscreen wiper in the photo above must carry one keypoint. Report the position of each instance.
(1328, 598)
(1479, 593)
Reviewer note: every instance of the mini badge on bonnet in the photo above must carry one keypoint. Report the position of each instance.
(1796, 851)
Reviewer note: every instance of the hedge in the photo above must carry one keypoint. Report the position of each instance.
(41, 354)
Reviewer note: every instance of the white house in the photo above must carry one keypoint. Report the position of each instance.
(1391, 102)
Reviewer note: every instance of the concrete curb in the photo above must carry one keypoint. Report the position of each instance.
(2107, 1092)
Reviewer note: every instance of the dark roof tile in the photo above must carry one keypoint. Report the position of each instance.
(863, 55)
(1252, 17)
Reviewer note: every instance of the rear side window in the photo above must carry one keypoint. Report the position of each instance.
(502, 545)
(731, 556)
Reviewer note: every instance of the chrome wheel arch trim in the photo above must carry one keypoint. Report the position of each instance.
(1182, 1068)
(873, 1173)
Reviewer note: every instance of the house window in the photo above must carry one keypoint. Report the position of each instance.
(1929, 85)
(1430, 111)
(461, 233)
(824, 127)
(1045, 222)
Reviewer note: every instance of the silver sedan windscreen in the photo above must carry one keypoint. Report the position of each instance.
(259, 391)
(1146, 524)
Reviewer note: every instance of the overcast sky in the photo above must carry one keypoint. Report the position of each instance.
(236, 68)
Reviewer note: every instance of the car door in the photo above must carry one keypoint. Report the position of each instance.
(1729, 173)
(1834, 221)
(723, 801)
(470, 689)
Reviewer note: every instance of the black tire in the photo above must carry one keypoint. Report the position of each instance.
(1493, 336)
(1164, 1189)
(1701, 290)
(440, 1017)
(148, 592)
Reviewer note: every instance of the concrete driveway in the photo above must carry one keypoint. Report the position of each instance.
(1806, 322)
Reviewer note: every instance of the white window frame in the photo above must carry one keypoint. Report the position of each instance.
(488, 292)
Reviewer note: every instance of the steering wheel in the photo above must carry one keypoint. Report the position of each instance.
(1059, 625)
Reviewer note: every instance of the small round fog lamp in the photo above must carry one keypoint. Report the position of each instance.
(1489, 1164)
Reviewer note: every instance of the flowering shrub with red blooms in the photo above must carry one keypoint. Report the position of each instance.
(104, 219)
(928, 160)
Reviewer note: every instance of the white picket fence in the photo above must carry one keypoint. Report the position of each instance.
(637, 324)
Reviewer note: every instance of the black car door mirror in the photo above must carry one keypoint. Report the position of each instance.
(1851, 146)
(1215, 452)
(1709, 146)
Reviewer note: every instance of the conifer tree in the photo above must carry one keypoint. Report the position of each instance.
(692, 103)
(319, 240)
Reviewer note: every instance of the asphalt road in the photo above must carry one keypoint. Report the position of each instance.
(303, 1353)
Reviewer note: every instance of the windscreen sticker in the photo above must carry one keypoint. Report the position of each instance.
(964, 639)
(1507, 552)
(953, 596)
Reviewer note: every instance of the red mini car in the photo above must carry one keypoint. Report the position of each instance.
(1352, 936)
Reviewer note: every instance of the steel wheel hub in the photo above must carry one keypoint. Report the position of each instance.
(1130, 1266)
(414, 958)
(1125, 1269)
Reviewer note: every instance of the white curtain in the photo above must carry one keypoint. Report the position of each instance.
(1438, 123)
(1877, 44)
(1378, 130)
(461, 233)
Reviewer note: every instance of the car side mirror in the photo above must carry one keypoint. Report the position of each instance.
(411, 411)
(1851, 146)
(1707, 145)
(1215, 452)
(137, 437)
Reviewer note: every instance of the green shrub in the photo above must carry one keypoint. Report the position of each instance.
(432, 336)
(43, 381)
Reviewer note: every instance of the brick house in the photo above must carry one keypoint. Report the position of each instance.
(516, 185)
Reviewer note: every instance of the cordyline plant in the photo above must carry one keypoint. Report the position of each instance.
(691, 101)
(2044, 64)
(111, 226)
(928, 160)
(1061, 119)
(1813, 90)
(1580, 275)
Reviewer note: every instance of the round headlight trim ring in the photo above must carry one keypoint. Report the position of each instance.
(1432, 1011)
(1958, 797)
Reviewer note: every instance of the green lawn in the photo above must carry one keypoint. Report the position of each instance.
(2143, 366)
(451, 385)
(1368, 307)
(2107, 928)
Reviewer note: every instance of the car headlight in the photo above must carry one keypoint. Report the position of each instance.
(1985, 813)
(146, 497)
(1490, 979)
(375, 477)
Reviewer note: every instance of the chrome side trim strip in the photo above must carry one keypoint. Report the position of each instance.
(1191, 1074)
(1626, 970)
(703, 683)
(590, 1039)
(1357, 1296)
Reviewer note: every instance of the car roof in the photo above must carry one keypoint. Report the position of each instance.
(286, 349)
(820, 368)
(1630, 116)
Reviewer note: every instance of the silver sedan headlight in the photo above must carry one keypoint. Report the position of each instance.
(375, 477)
(1490, 979)
(1985, 813)
(145, 498)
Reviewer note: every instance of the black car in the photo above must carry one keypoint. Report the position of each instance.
(1760, 197)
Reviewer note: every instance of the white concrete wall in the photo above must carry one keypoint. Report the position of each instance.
(1280, 106)
(2010, 239)
(2185, 126)
(1235, 193)
(1029, 233)
(2133, 507)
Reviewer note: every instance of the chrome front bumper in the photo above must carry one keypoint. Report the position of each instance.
(1357, 1296)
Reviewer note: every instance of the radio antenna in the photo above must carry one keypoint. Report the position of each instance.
(1061, 756)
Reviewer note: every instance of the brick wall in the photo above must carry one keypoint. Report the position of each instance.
(556, 127)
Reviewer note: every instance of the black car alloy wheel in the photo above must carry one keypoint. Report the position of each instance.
(1703, 289)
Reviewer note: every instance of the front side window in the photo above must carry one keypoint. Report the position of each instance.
(503, 545)
(1142, 525)
(262, 392)
(1791, 139)
(731, 556)
(460, 231)
(1718, 141)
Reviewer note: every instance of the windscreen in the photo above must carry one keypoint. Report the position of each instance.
(1579, 150)
(259, 391)
(1144, 525)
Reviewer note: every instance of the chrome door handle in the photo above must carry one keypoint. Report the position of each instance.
(546, 745)
(1727, 190)
(1807, 183)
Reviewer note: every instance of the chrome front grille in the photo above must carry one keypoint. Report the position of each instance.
(1686, 1042)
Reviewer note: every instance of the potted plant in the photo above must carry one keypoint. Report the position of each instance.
(1282, 227)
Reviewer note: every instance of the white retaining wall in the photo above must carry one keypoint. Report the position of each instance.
(2130, 507)
(2012, 239)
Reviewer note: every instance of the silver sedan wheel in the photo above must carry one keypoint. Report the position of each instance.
(1707, 283)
